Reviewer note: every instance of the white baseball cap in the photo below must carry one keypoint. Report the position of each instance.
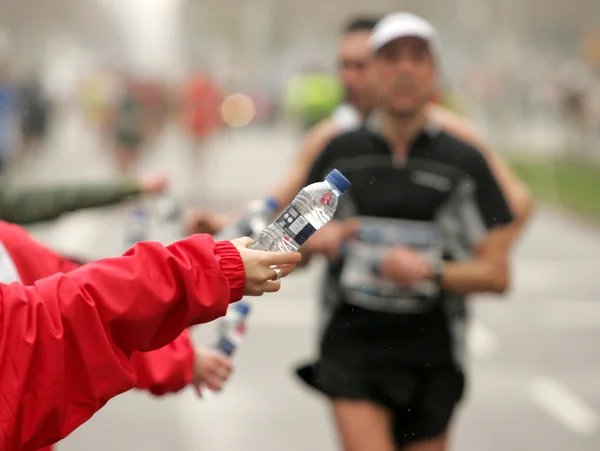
(401, 25)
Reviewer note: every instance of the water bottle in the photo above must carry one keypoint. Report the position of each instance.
(230, 334)
(169, 223)
(137, 227)
(255, 218)
(311, 209)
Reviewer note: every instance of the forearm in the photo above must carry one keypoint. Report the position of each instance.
(166, 370)
(475, 276)
(36, 204)
(68, 338)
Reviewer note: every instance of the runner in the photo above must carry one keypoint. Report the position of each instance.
(129, 125)
(201, 101)
(432, 229)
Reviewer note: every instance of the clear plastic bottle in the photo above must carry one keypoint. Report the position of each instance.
(255, 218)
(137, 226)
(310, 210)
(230, 334)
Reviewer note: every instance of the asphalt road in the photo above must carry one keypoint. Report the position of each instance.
(534, 365)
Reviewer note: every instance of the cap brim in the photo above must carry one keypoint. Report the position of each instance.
(384, 38)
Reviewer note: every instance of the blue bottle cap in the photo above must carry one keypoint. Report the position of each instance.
(242, 307)
(272, 203)
(336, 178)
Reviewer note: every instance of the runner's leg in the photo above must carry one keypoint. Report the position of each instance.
(363, 426)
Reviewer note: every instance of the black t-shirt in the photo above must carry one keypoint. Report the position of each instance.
(441, 200)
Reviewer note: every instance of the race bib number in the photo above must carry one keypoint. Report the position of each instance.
(361, 284)
(8, 270)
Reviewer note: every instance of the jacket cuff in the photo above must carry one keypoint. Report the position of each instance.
(232, 266)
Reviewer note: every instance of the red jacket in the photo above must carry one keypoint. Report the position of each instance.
(67, 341)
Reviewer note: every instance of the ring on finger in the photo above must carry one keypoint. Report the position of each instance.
(277, 274)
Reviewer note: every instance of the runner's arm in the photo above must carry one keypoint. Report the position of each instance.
(486, 221)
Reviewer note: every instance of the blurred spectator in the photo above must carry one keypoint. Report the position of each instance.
(312, 96)
(33, 109)
(201, 102)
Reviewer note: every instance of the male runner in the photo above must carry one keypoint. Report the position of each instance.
(432, 229)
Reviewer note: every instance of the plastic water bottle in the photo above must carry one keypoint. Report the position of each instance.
(230, 334)
(255, 218)
(137, 227)
(311, 209)
(169, 225)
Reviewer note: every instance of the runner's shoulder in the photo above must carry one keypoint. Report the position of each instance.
(318, 138)
(456, 125)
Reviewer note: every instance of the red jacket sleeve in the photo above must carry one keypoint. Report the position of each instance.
(66, 341)
(166, 370)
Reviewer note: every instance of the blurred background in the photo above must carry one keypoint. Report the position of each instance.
(208, 93)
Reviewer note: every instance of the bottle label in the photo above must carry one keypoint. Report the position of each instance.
(295, 225)
(226, 346)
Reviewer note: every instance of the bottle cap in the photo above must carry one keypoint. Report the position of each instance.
(242, 307)
(336, 178)
(271, 203)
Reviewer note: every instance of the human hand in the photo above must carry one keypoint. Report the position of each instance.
(204, 221)
(211, 369)
(405, 266)
(154, 184)
(264, 269)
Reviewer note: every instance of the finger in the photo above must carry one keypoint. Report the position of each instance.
(282, 258)
(223, 373)
(271, 286)
(285, 270)
(214, 382)
(225, 362)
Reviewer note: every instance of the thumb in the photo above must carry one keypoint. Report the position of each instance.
(243, 242)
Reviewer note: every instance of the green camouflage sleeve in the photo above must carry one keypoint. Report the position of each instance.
(36, 204)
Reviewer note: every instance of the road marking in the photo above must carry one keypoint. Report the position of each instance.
(559, 402)
(572, 315)
(481, 341)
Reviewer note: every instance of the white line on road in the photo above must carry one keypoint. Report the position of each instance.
(563, 405)
(481, 341)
